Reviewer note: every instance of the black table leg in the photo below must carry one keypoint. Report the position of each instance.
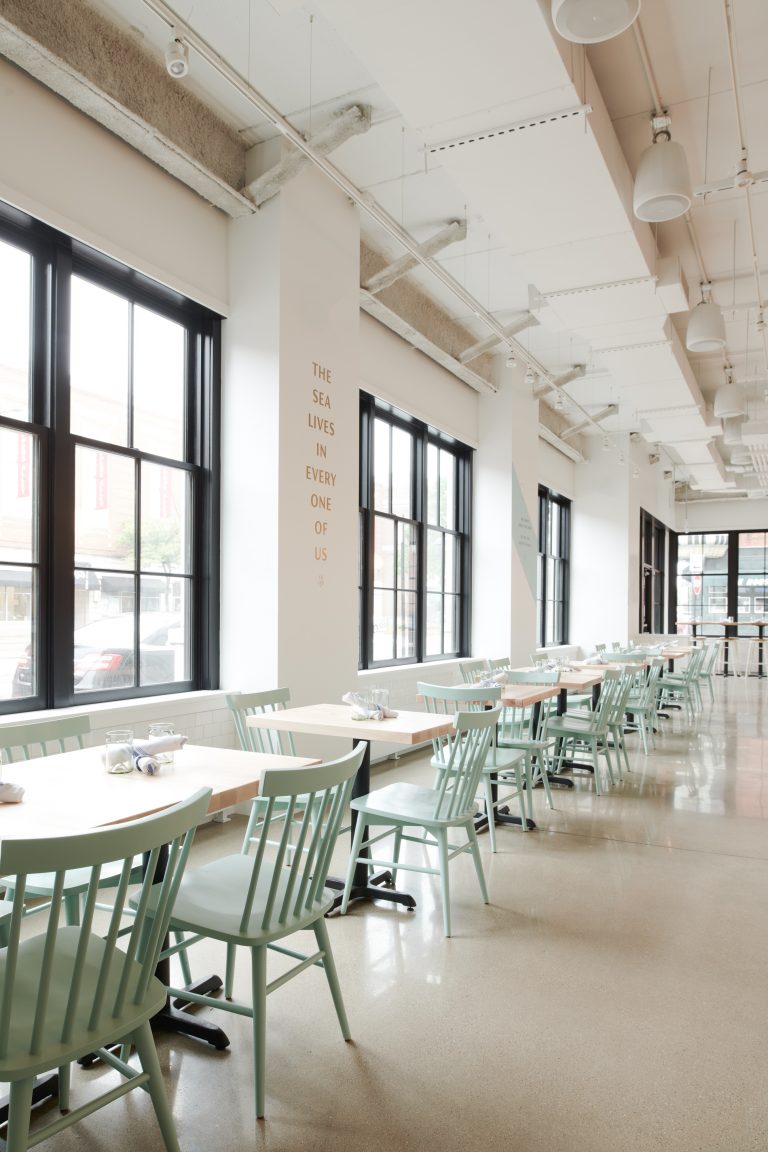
(363, 886)
(561, 709)
(760, 638)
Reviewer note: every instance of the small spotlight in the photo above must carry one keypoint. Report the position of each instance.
(607, 444)
(529, 376)
(176, 60)
(511, 360)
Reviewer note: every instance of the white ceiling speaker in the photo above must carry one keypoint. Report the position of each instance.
(662, 183)
(729, 402)
(706, 327)
(176, 59)
(591, 21)
(732, 429)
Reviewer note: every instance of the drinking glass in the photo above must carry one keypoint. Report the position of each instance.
(162, 728)
(119, 750)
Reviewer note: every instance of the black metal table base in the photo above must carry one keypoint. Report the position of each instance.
(502, 816)
(375, 888)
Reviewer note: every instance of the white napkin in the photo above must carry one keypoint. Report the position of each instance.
(156, 744)
(11, 793)
(492, 681)
(362, 710)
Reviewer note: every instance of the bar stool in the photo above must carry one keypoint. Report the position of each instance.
(754, 648)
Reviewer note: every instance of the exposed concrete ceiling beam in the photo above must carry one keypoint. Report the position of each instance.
(609, 410)
(525, 321)
(351, 122)
(456, 230)
(71, 48)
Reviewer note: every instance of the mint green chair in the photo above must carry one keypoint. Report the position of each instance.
(440, 811)
(255, 902)
(707, 671)
(525, 728)
(641, 702)
(683, 688)
(27, 741)
(589, 730)
(474, 670)
(73, 990)
(506, 773)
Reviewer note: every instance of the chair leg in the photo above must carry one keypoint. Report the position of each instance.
(541, 761)
(474, 848)
(145, 1047)
(65, 1082)
(329, 965)
(398, 841)
(183, 955)
(490, 811)
(596, 763)
(357, 840)
(229, 971)
(441, 837)
(259, 1002)
(20, 1105)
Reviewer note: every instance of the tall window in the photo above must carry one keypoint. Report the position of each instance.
(415, 535)
(553, 577)
(653, 548)
(702, 580)
(108, 477)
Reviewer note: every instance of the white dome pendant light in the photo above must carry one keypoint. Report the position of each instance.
(729, 401)
(662, 182)
(706, 327)
(592, 21)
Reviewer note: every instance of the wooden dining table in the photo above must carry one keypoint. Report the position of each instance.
(406, 728)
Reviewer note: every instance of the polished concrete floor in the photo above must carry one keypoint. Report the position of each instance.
(611, 997)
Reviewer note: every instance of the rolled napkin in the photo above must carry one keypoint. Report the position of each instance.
(11, 793)
(363, 710)
(157, 744)
(492, 681)
(145, 763)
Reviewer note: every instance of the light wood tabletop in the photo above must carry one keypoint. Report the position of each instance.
(524, 695)
(336, 720)
(73, 790)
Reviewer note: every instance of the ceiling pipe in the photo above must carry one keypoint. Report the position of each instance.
(363, 200)
(736, 85)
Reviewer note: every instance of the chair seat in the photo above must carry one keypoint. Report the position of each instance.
(413, 803)
(211, 901)
(18, 1064)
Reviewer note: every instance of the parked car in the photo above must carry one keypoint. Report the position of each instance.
(104, 656)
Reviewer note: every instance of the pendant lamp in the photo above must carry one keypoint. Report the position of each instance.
(732, 429)
(729, 402)
(741, 456)
(706, 327)
(662, 182)
(591, 21)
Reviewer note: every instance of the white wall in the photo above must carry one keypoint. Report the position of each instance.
(556, 471)
(395, 371)
(600, 548)
(65, 169)
(721, 515)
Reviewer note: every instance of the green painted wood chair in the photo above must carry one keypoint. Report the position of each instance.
(68, 991)
(641, 702)
(256, 902)
(590, 730)
(506, 773)
(27, 741)
(683, 688)
(474, 670)
(440, 812)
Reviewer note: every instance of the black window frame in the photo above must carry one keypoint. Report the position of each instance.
(560, 562)
(56, 257)
(726, 578)
(422, 436)
(653, 574)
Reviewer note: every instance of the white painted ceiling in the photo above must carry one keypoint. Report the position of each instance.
(548, 202)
